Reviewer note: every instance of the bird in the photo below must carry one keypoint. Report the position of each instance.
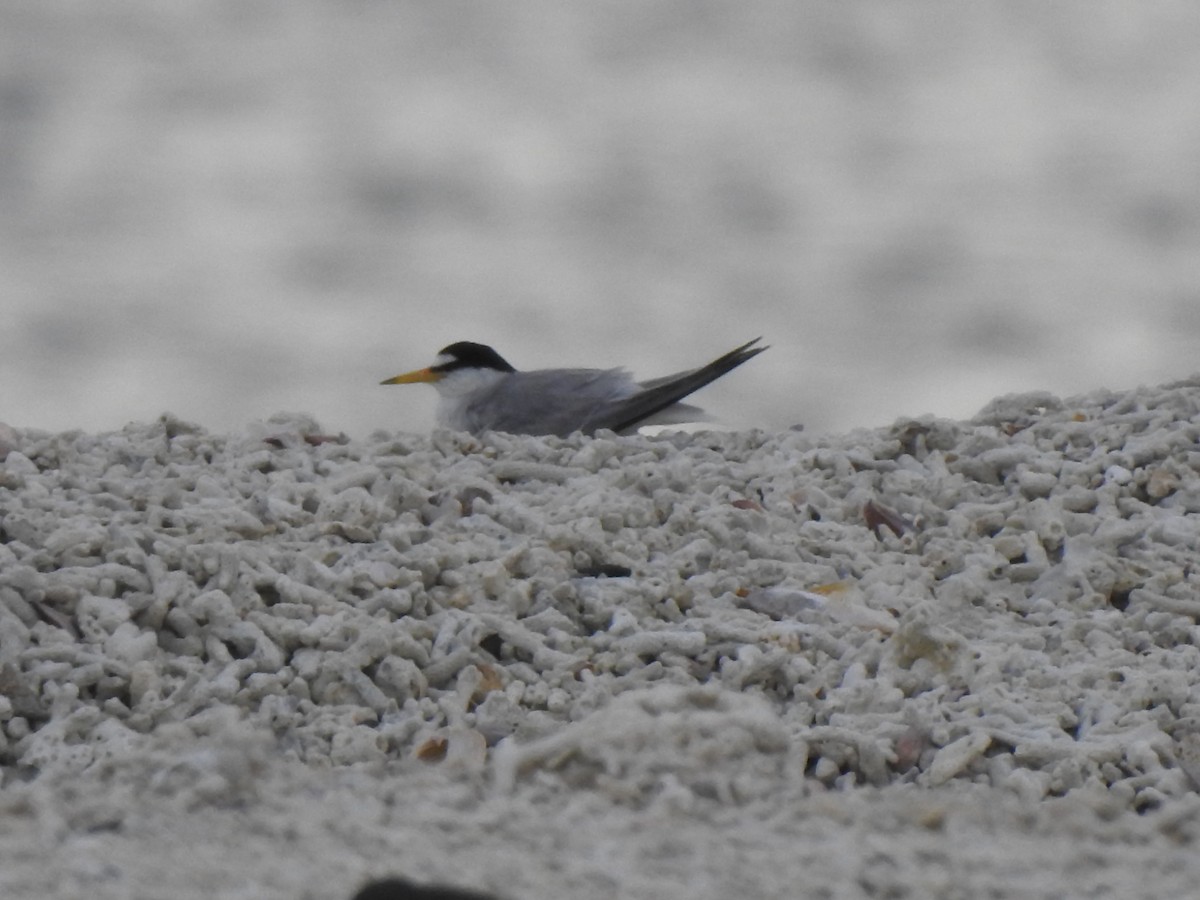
(480, 391)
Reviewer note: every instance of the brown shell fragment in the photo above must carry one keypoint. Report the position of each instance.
(879, 516)
(744, 503)
(432, 750)
(316, 440)
(1161, 483)
(489, 681)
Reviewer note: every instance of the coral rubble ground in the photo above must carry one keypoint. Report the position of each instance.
(938, 659)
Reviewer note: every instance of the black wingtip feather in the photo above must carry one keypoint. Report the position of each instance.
(653, 400)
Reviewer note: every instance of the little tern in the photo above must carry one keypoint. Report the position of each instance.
(479, 391)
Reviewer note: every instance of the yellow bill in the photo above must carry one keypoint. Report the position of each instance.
(420, 376)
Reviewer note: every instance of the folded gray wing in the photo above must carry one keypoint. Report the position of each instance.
(660, 393)
(549, 401)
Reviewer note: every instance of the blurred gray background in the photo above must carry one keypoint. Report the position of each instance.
(230, 209)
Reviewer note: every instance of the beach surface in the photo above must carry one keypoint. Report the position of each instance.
(939, 659)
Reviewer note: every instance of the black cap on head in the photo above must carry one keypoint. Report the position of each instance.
(470, 355)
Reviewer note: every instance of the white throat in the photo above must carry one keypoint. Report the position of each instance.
(458, 389)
